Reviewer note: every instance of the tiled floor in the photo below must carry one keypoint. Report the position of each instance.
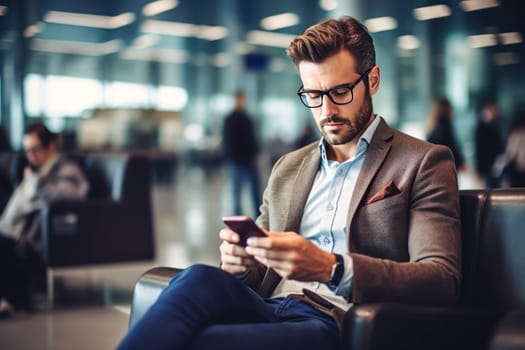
(92, 303)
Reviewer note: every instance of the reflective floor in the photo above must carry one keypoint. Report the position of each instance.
(91, 304)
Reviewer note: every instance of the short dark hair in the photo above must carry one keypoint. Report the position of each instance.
(328, 37)
(45, 136)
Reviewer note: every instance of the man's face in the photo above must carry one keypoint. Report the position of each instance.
(35, 152)
(340, 124)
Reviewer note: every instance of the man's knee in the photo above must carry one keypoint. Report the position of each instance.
(201, 273)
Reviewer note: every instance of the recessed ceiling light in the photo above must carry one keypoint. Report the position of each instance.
(86, 20)
(184, 29)
(159, 6)
(328, 5)
(482, 40)
(510, 38)
(146, 40)
(260, 37)
(282, 20)
(408, 42)
(76, 47)
(158, 55)
(380, 24)
(475, 5)
(33, 29)
(430, 12)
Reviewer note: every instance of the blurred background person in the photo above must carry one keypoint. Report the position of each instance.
(509, 167)
(489, 143)
(440, 130)
(241, 149)
(48, 176)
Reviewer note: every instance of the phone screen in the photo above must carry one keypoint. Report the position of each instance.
(244, 226)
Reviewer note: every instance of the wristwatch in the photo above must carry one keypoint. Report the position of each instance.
(337, 271)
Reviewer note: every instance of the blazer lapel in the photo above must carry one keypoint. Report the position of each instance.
(304, 180)
(375, 155)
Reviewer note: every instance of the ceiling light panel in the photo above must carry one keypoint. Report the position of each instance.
(475, 5)
(408, 42)
(260, 37)
(431, 12)
(482, 40)
(510, 38)
(76, 47)
(86, 20)
(282, 20)
(159, 55)
(184, 30)
(160, 6)
(381, 24)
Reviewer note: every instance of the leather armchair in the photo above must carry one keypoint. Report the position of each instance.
(490, 310)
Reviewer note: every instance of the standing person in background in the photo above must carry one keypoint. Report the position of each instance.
(241, 149)
(488, 142)
(440, 130)
(48, 176)
(509, 167)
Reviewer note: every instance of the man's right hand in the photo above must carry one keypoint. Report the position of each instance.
(234, 258)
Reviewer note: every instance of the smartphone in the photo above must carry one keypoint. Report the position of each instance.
(244, 226)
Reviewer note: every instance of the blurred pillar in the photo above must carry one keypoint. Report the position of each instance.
(14, 70)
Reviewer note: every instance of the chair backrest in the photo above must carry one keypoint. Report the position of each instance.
(472, 209)
(493, 248)
(500, 278)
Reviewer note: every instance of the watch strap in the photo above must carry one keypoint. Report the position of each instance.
(337, 271)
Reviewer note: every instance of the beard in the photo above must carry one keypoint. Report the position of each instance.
(353, 128)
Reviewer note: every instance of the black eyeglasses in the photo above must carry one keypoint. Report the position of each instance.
(340, 95)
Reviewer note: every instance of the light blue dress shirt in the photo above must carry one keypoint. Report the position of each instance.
(325, 217)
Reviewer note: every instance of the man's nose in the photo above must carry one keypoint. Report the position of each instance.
(328, 108)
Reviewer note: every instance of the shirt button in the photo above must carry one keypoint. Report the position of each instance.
(326, 241)
(330, 207)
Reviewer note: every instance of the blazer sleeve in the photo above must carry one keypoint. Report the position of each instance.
(423, 221)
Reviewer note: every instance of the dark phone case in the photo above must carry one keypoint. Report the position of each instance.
(244, 226)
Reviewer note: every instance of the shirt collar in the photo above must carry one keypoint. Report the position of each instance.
(362, 144)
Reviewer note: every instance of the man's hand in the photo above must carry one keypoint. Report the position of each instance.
(292, 256)
(234, 258)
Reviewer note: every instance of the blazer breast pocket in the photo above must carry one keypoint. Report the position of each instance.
(380, 229)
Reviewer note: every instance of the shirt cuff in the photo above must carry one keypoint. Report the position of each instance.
(345, 286)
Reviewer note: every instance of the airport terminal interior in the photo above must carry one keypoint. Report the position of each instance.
(157, 77)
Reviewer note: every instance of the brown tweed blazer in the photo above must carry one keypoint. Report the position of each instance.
(404, 228)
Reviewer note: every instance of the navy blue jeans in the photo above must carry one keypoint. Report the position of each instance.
(206, 308)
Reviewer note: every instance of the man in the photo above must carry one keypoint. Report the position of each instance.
(241, 150)
(368, 214)
(47, 177)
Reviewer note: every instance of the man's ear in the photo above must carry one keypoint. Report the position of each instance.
(374, 77)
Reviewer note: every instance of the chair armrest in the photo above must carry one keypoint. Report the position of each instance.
(510, 332)
(147, 290)
(404, 326)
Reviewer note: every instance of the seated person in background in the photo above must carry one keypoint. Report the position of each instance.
(48, 176)
(366, 214)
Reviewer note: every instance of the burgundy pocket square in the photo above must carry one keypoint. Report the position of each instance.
(389, 190)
